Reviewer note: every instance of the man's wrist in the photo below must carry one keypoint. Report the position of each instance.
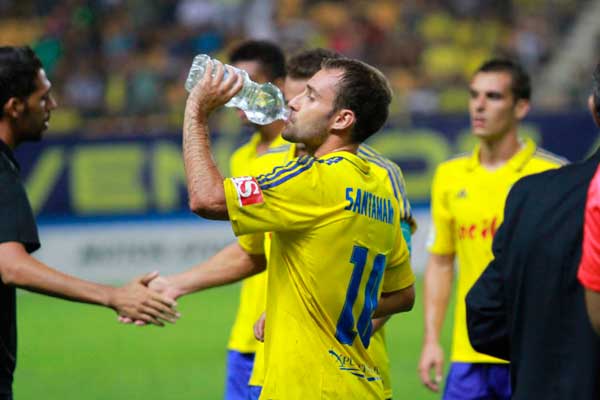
(431, 340)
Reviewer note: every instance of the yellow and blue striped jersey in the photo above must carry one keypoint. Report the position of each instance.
(335, 236)
(279, 155)
(467, 207)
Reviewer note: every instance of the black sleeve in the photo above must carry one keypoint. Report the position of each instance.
(487, 322)
(17, 223)
(487, 318)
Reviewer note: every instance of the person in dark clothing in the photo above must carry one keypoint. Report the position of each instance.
(528, 306)
(26, 104)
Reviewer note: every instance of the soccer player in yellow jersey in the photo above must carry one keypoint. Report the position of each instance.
(301, 67)
(389, 171)
(318, 208)
(467, 203)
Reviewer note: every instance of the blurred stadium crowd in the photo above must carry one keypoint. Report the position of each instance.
(118, 66)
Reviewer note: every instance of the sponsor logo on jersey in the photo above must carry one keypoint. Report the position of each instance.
(486, 229)
(248, 190)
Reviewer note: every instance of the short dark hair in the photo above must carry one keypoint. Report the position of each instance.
(521, 84)
(364, 90)
(19, 67)
(268, 54)
(306, 63)
(596, 89)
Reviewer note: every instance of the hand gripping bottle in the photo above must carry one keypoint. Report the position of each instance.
(262, 104)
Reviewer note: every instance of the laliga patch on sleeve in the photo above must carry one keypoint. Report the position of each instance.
(248, 190)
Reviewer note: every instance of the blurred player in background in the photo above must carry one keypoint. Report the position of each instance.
(264, 62)
(467, 202)
(312, 224)
(27, 103)
(528, 306)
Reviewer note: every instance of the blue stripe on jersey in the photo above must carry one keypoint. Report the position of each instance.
(278, 171)
(295, 172)
(379, 162)
(394, 173)
(291, 169)
(394, 169)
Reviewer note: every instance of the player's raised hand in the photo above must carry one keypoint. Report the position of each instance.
(259, 328)
(212, 92)
(432, 358)
(136, 302)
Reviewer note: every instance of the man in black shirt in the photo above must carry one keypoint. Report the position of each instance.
(26, 104)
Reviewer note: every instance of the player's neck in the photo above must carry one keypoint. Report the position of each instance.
(268, 133)
(6, 135)
(333, 144)
(493, 154)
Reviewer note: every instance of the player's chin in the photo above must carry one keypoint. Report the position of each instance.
(480, 133)
(289, 134)
(34, 135)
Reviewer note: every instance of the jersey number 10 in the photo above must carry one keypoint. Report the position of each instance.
(345, 330)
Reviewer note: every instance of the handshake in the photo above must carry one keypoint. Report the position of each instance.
(149, 299)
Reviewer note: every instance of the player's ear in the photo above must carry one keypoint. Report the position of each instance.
(279, 82)
(14, 107)
(343, 119)
(522, 108)
(594, 108)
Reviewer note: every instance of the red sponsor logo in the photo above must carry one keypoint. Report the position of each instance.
(248, 190)
(485, 230)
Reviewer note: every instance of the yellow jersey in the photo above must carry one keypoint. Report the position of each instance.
(320, 301)
(253, 289)
(279, 155)
(467, 207)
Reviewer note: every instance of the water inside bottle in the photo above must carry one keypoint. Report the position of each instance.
(262, 104)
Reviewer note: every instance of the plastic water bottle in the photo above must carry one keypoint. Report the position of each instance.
(262, 104)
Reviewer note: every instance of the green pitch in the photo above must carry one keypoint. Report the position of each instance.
(73, 351)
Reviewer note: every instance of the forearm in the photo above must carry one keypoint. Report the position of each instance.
(204, 181)
(378, 323)
(26, 272)
(395, 302)
(439, 274)
(592, 301)
(229, 265)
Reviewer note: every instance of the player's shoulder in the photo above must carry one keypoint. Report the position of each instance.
(292, 170)
(273, 157)
(546, 158)
(370, 154)
(539, 181)
(456, 163)
(247, 148)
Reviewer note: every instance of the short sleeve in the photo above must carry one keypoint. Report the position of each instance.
(17, 223)
(441, 234)
(287, 199)
(398, 274)
(589, 267)
(253, 243)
